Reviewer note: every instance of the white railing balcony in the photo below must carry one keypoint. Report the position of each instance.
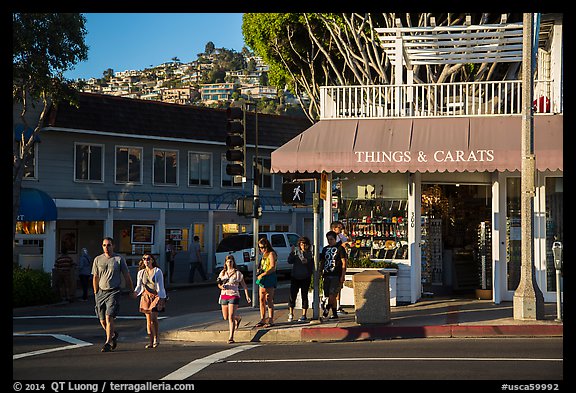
(435, 100)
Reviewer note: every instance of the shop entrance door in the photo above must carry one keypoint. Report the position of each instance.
(456, 239)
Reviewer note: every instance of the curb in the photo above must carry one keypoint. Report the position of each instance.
(361, 333)
(253, 335)
(357, 333)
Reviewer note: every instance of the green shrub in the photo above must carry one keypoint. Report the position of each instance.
(365, 262)
(31, 287)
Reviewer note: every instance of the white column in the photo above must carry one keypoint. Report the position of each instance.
(50, 253)
(210, 246)
(414, 236)
(109, 224)
(498, 236)
(160, 240)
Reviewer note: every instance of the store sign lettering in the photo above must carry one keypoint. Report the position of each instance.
(398, 156)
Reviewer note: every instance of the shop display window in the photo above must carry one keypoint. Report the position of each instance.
(554, 225)
(30, 227)
(513, 233)
(374, 216)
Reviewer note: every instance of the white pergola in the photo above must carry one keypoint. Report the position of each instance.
(433, 44)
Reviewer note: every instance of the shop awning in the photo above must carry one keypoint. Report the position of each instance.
(36, 205)
(420, 145)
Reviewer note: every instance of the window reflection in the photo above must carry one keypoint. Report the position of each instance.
(554, 225)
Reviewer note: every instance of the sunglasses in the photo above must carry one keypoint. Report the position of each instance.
(146, 258)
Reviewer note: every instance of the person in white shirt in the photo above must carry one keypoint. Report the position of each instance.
(150, 288)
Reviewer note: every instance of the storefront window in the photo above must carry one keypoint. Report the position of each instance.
(373, 209)
(30, 227)
(179, 238)
(513, 232)
(199, 231)
(554, 225)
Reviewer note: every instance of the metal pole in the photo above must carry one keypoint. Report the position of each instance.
(558, 297)
(316, 294)
(255, 220)
(557, 252)
(528, 299)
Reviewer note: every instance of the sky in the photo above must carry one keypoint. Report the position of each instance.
(136, 41)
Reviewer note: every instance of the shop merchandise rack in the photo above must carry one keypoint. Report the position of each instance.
(378, 235)
(513, 250)
(431, 250)
(483, 254)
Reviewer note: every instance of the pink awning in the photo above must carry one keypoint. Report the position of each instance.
(420, 145)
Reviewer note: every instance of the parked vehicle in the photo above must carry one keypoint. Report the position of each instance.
(241, 247)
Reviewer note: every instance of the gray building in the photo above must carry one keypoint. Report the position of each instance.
(144, 172)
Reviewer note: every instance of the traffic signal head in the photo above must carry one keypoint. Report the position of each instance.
(234, 170)
(235, 142)
(234, 113)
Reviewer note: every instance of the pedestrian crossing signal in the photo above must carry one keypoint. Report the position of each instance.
(294, 193)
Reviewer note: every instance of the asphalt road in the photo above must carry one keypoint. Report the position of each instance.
(538, 359)
(63, 342)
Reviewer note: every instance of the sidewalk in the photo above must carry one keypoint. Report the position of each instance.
(428, 318)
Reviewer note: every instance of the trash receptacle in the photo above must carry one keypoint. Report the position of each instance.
(372, 296)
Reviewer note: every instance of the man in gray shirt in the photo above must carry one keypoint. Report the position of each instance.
(106, 282)
(196, 261)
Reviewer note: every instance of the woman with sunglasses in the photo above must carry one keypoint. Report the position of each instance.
(266, 279)
(229, 280)
(150, 288)
(302, 263)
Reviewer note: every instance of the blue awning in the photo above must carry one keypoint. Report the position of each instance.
(36, 205)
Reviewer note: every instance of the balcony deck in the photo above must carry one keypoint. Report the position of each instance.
(434, 100)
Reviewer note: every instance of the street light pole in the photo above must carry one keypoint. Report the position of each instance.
(255, 220)
(316, 293)
(528, 300)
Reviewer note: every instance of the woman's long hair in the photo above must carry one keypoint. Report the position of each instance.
(142, 265)
(264, 242)
(231, 258)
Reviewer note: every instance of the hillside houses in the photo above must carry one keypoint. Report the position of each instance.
(181, 83)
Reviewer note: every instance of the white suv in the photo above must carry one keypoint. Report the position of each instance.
(241, 247)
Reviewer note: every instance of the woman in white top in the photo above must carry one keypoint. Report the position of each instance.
(150, 285)
(228, 281)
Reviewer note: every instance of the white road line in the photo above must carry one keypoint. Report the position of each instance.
(199, 364)
(395, 359)
(75, 343)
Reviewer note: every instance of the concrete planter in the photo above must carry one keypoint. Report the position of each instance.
(347, 293)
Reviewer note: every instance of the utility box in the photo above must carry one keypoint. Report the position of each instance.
(372, 297)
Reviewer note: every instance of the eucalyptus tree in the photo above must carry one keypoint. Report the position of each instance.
(45, 45)
(309, 50)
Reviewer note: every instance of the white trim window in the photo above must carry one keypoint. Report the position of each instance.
(128, 165)
(199, 169)
(265, 176)
(88, 162)
(165, 167)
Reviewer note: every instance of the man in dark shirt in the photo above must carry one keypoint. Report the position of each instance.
(334, 258)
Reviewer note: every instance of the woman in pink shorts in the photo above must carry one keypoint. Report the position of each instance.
(229, 279)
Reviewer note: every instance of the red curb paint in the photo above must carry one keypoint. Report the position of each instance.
(356, 333)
